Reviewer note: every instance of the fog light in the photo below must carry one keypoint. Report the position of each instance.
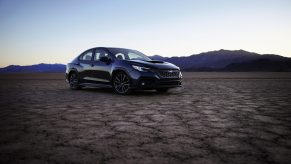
(142, 83)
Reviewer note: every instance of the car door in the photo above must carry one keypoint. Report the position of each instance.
(101, 73)
(85, 63)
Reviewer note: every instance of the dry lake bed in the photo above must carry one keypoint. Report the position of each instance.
(215, 118)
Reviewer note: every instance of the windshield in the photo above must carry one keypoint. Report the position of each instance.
(127, 54)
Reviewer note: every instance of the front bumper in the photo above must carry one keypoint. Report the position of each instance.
(154, 80)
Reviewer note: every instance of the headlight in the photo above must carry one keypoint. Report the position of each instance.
(139, 68)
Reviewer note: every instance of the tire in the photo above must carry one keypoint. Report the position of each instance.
(74, 82)
(162, 90)
(121, 83)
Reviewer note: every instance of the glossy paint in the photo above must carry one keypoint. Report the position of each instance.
(102, 72)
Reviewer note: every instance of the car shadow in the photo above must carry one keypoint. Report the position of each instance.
(133, 93)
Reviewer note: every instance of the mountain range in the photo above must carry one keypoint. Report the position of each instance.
(221, 60)
(227, 60)
(34, 68)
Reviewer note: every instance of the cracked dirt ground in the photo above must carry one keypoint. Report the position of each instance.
(215, 118)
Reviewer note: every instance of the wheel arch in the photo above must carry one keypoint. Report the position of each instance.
(114, 72)
(71, 72)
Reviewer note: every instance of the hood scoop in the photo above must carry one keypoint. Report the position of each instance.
(155, 61)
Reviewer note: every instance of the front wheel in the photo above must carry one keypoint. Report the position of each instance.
(74, 82)
(121, 83)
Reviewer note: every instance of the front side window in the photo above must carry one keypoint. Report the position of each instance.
(87, 56)
(99, 54)
(120, 56)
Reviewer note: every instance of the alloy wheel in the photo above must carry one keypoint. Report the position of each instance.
(74, 81)
(121, 83)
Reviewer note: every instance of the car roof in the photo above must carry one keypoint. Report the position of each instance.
(114, 48)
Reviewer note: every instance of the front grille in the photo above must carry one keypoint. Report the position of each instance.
(169, 73)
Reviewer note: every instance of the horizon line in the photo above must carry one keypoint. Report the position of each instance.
(162, 56)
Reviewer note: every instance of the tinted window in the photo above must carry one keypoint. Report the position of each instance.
(127, 54)
(100, 53)
(120, 56)
(134, 56)
(87, 56)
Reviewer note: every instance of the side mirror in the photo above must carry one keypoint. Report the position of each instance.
(105, 59)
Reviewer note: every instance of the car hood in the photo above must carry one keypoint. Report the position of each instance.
(154, 64)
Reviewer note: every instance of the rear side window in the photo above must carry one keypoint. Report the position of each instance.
(87, 56)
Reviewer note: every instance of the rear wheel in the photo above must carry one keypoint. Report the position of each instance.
(121, 83)
(74, 82)
(163, 90)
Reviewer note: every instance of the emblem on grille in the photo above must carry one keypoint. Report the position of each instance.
(169, 73)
